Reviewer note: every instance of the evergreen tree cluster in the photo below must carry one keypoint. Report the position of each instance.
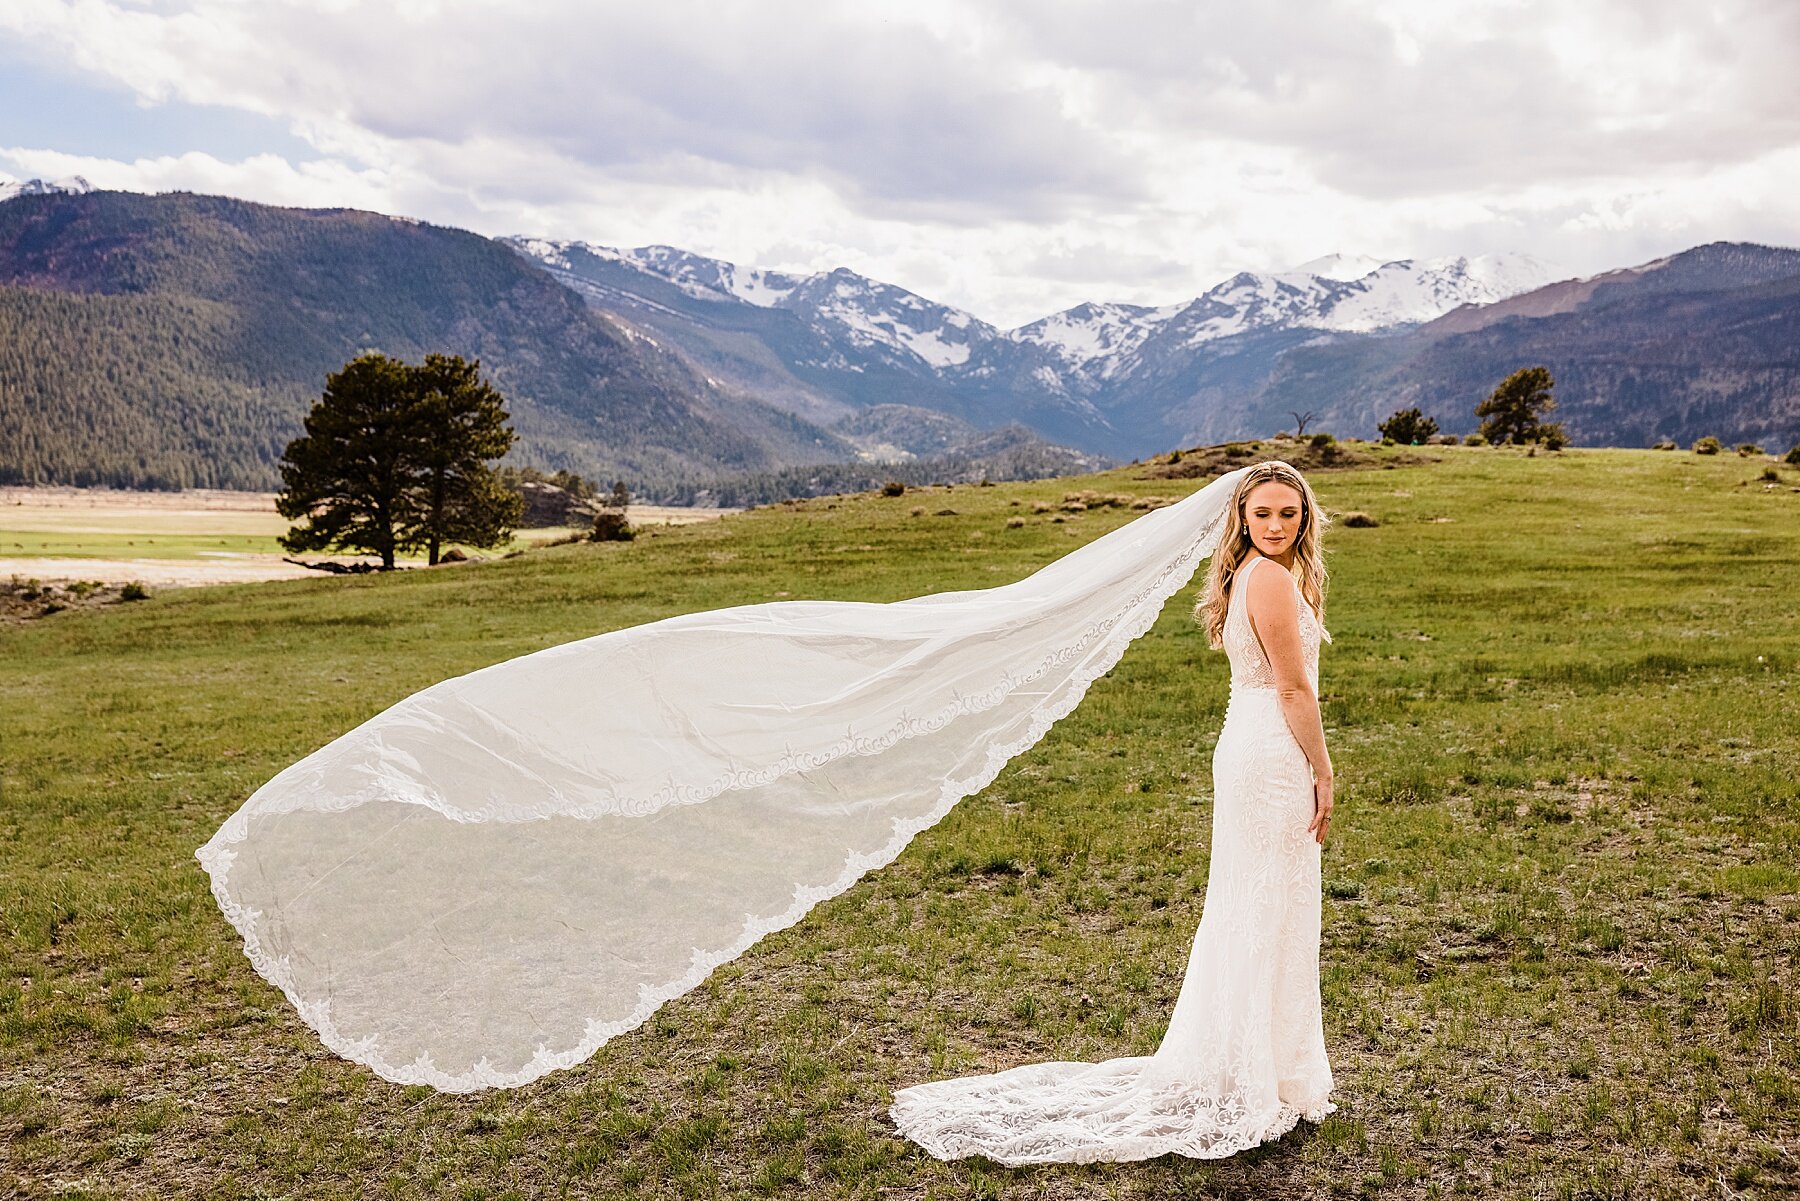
(395, 458)
(1408, 427)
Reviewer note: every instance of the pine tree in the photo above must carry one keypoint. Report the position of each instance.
(353, 476)
(1512, 413)
(394, 458)
(460, 423)
(1409, 427)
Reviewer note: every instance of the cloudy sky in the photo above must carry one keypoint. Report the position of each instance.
(1013, 157)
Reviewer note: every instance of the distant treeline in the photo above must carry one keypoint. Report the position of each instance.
(1032, 461)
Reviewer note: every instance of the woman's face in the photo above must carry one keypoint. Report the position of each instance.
(1272, 514)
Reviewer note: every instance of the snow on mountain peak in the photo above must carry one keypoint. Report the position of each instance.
(841, 304)
(1333, 293)
(1413, 290)
(1093, 333)
(73, 184)
(1337, 266)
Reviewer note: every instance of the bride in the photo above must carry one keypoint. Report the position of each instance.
(493, 877)
(1244, 1056)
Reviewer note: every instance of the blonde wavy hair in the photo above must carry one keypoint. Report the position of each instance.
(1234, 547)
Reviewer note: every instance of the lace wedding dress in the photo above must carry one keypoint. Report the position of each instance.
(1244, 1057)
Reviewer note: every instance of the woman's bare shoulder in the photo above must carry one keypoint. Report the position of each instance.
(1270, 583)
(1270, 593)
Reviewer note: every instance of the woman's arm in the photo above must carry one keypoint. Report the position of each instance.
(1274, 602)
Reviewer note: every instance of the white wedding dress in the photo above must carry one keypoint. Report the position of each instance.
(1244, 1057)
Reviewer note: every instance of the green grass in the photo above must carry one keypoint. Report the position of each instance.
(1562, 907)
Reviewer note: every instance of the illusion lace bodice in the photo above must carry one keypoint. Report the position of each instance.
(1249, 664)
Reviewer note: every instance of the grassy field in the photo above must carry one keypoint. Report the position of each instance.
(107, 524)
(195, 537)
(1562, 906)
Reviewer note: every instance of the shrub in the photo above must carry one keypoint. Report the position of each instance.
(893, 488)
(134, 591)
(610, 526)
(1408, 425)
(1474, 440)
(1792, 458)
(1770, 474)
(1554, 438)
(1320, 441)
(1444, 440)
(1708, 445)
(1746, 449)
(1358, 520)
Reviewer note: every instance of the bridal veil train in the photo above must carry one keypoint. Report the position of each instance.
(491, 878)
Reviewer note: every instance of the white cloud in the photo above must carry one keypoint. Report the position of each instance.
(1010, 156)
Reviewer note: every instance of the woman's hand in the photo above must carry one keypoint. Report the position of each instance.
(1322, 802)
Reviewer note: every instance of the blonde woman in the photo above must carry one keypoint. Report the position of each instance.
(1244, 1057)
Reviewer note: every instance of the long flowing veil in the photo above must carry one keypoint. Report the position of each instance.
(493, 877)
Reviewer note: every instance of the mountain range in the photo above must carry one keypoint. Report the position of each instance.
(177, 340)
(1112, 378)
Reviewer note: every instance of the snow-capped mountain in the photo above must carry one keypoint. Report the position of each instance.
(1337, 266)
(1337, 292)
(867, 313)
(1401, 293)
(73, 185)
(697, 275)
(1095, 338)
(1089, 375)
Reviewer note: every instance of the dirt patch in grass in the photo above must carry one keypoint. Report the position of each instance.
(24, 599)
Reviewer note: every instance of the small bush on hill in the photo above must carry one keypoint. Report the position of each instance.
(610, 526)
(1408, 426)
(1708, 445)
